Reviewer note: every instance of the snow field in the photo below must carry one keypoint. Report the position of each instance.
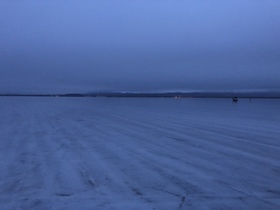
(126, 153)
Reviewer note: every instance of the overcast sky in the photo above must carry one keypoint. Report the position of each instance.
(139, 45)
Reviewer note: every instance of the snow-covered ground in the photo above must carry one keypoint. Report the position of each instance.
(129, 153)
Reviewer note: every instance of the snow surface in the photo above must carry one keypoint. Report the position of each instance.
(131, 153)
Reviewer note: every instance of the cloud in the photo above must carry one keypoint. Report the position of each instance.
(139, 45)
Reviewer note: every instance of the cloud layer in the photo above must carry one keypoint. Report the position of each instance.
(70, 46)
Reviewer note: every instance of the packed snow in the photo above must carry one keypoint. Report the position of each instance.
(139, 153)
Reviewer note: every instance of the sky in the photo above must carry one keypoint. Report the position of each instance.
(139, 45)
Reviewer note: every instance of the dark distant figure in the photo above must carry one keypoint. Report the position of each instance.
(234, 99)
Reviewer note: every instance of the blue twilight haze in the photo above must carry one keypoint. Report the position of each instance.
(139, 45)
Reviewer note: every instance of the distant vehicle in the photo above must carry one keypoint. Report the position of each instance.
(234, 99)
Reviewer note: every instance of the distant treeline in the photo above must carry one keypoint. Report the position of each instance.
(161, 95)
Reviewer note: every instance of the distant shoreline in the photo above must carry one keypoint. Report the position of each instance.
(262, 95)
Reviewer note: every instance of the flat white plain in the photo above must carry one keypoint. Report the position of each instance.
(139, 153)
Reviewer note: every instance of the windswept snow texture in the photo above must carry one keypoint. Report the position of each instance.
(129, 153)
